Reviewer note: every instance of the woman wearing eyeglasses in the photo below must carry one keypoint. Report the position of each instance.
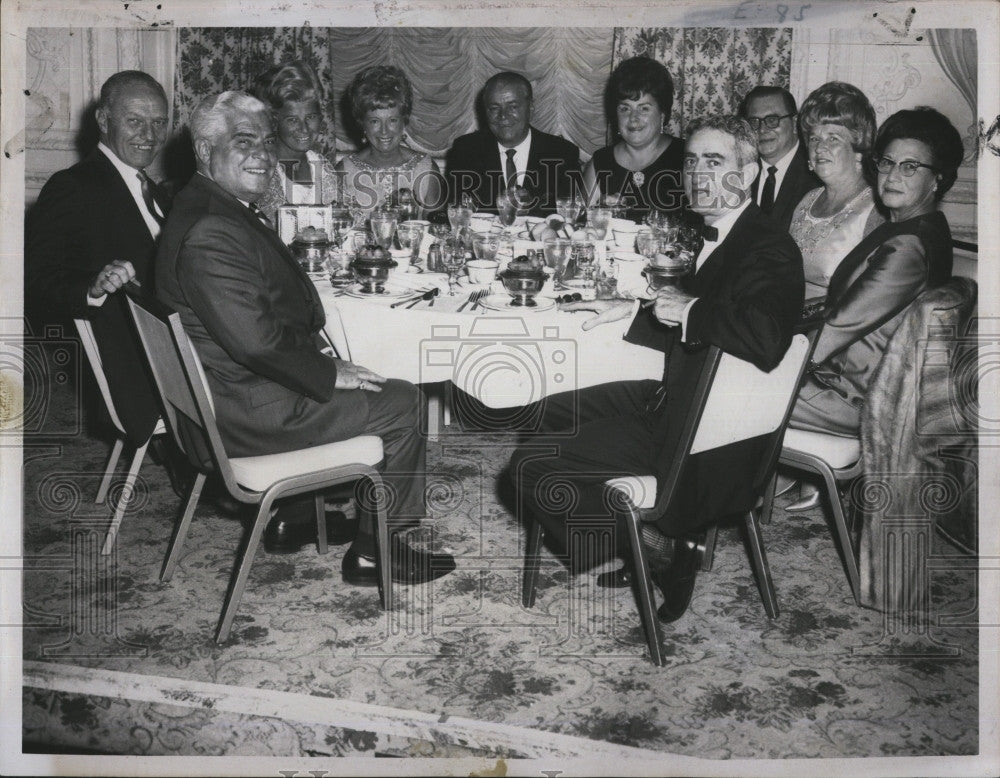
(916, 155)
(838, 127)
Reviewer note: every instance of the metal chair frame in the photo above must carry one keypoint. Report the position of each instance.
(688, 445)
(182, 385)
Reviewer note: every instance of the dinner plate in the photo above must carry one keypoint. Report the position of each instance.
(390, 292)
(621, 255)
(503, 302)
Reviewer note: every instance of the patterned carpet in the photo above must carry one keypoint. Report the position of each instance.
(118, 662)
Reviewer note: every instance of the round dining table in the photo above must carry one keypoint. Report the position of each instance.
(504, 355)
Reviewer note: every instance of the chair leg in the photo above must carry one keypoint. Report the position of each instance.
(242, 571)
(123, 501)
(529, 578)
(644, 587)
(383, 549)
(768, 505)
(116, 451)
(843, 535)
(321, 545)
(181, 529)
(709, 556)
(761, 569)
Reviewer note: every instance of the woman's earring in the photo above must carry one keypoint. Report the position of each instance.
(403, 139)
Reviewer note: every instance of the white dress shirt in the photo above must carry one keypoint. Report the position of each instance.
(520, 157)
(130, 176)
(782, 166)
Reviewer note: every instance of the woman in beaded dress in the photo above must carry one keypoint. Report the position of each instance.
(303, 175)
(384, 171)
(838, 127)
(643, 169)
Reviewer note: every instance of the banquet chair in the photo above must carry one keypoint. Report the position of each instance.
(733, 401)
(86, 332)
(840, 460)
(258, 480)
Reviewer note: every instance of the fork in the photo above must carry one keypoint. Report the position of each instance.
(479, 296)
(472, 296)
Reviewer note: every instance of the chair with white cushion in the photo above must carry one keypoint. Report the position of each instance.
(86, 332)
(734, 401)
(259, 480)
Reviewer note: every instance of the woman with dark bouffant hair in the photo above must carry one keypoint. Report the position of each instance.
(642, 170)
(384, 168)
(304, 176)
(916, 156)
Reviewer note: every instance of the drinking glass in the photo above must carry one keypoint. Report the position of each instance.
(568, 209)
(357, 211)
(507, 208)
(556, 252)
(605, 280)
(407, 204)
(340, 222)
(410, 237)
(458, 217)
(453, 260)
(486, 245)
(582, 256)
(383, 223)
(598, 219)
(614, 202)
(648, 243)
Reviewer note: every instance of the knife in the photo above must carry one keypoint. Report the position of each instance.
(405, 300)
(430, 294)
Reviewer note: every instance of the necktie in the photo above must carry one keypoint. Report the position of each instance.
(767, 193)
(256, 211)
(510, 174)
(156, 204)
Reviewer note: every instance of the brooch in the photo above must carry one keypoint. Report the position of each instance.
(638, 176)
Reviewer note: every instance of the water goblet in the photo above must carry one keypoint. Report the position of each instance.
(486, 245)
(568, 209)
(458, 217)
(383, 224)
(648, 243)
(507, 205)
(598, 219)
(614, 202)
(556, 253)
(453, 260)
(410, 236)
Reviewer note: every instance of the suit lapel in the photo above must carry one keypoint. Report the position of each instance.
(120, 199)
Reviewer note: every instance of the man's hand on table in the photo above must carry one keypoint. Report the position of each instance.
(606, 310)
(351, 376)
(111, 278)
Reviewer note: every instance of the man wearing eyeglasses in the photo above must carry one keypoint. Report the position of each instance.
(785, 176)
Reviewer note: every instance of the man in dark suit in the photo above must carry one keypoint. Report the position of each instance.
(484, 163)
(93, 229)
(785, 175)
(744, 297)
(256, 320)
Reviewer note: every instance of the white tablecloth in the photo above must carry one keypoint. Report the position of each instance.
(505, 359)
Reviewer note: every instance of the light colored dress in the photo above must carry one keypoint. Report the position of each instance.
(372, 186)
(324, 189)
(824, 242)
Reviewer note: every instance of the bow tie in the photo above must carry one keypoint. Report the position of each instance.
(709, 233)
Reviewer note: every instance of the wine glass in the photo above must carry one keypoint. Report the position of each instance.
(458, 217)
(648, 243)
(406, 204)
(556, 252)
(357, 211)
(453, 260)
(614, 202)
(410, 236)
(598, 219)
(507, 208)
(383, 224)
(568, 209)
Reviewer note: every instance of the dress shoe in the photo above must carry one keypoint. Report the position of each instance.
(287, 537)
(179, 471)
(808, 499)
(409, 566)
(677, 581)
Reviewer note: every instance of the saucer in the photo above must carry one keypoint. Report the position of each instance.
(390, 292)
(503, 302)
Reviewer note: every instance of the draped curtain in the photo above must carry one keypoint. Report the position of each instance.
(712, 67)
(956, 52)
(568, 68)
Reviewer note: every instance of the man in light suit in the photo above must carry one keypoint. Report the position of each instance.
(785, 175)
(93, 229)
(256, 320)
(744, 297)
(484, 163)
